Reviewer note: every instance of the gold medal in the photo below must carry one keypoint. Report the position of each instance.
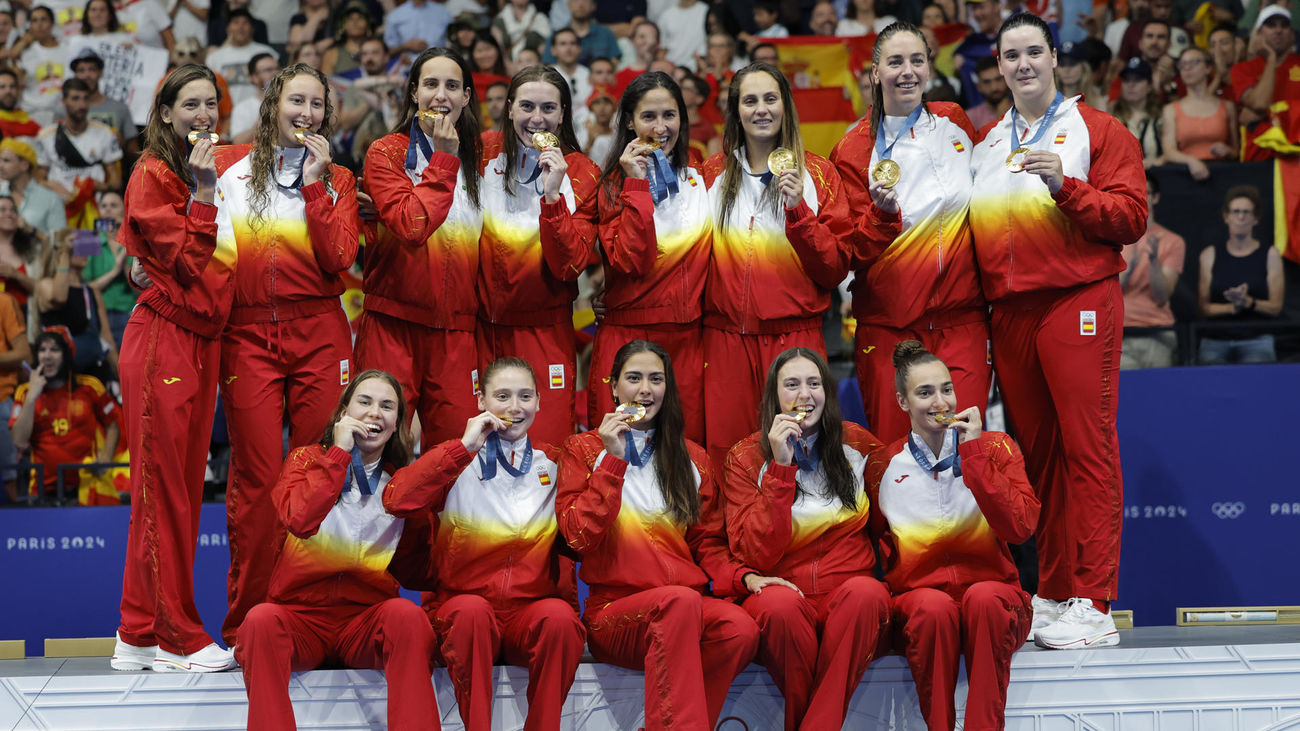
(509, 421)
(545, 140)
(780, 160)
(202, 134)
(946, 418)
(650, 142)
(300, 134)
(431, 115)
(887, 172)
(1016, 160)
(636, 410)
(801, 412)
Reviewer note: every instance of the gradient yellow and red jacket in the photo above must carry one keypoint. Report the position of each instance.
(531, 252)
(342, 547)
(920, 260)
(614, 515)
(804, 537)
(422, 260)
(946, 532)
(772, 271)
(1029, 240)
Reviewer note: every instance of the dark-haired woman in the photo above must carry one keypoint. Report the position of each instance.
(796, 509)
(503, 591)
(945, 501)
(422, 262)
(291, 215)
(539, 226)
(780, 245)
(915, 273)
(655, 232)
(1059, 189)
(327, 604)
(169, 379)
(637, 501)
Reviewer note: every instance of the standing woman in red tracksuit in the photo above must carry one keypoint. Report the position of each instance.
(169, 375)
(656, 233)
(422, 262)
(1060, 190)
(915, 273)
(780, 245)
(292, 217)
(945, 500)
(539, 226)
(796, 509)
(503, 591)
(334, 588)
(637, 501)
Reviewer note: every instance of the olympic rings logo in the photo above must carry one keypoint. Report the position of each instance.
(1228, 511)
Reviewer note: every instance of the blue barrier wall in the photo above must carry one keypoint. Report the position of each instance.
(1212, 514)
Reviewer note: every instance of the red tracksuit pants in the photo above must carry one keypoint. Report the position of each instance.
(437, 370)
(735, 368)
(934, 631)
(690, 647)
(169, 392)
(394, 635)
(1057, 359)
(684, 344)
(297, 367)
(544, 636)
(551, 350)
(963, 348)
(816, 648)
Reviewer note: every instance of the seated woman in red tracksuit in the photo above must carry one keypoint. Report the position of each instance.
(333, 591)
(796, 509)
(635, 499)
(945, 501)
(503, 590)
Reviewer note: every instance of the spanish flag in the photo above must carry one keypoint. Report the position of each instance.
(822, 71)
(1281, 138)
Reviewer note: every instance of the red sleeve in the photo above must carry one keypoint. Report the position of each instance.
(308, 487)
(411, 213)
(873, 230)
(164, 227)
(708, 537)
(1115, 210)
(425, 483)
(332, 221)
(567, 238)
(877, 525)
(713, 168)
(587, 501)
(994, 471)
(106, 408)
(627, 229)
(1244, 75)
(822, 241)
(758, 517)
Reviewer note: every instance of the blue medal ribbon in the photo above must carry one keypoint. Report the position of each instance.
(366, 484)
(417, 138)
(492, 455)
(663, 181)
(530, 157)
(1042, 126)
(806, 456)
(297, 182)
(923, 459)
(885, 152)
(630, 453)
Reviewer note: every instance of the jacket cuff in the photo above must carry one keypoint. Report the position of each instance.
(783, 472)
(632, 185)
(554, 210)
(337, 455)
(973, 448)
(310, 193)
(798, 213)
(203, 211)
(613, 465)
(443, 161)
(1067, 190)
(458, 454)
(739, 583)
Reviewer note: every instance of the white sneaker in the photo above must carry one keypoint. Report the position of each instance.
(1081, 626)
(1046, 611)
(211, 659)
(130, 657)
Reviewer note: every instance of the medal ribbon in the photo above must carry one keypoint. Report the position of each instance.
(417, 138)
(885, 152)
(630, 453)
(366, 484)
(496, 456)
(806, 455)
(663, 181)
(530, 158)
(297, 182)
(1043, 124)
(923, 460)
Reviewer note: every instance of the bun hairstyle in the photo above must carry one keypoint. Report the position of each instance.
(907, 354)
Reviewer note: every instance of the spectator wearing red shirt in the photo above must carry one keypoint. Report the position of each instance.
(14, 122)
(645, 41)
(1271, 75)
(1154, 265)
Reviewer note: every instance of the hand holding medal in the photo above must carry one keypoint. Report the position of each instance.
(441, 129)
(1046, 165)
(782, 164)
(551, 160)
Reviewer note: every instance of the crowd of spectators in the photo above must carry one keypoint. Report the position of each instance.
(1196, 83)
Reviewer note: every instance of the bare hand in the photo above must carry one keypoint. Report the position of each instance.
(884, 198)
(203, 165)
(755, 583)
(635, 159)
(968, 425)
(1046, 165)
(346, 431)
(139, 275)
(1198, 169)
(478, 428)
(7, 270)
(554, 168)
(444, 135)
(1221, 150)
(318, 158)
(612, 428)
(785, 429)
(36, 384)
(790, 183)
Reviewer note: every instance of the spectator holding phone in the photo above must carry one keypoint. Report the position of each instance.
(64, 299)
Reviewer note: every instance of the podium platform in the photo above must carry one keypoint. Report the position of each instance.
(1157, 679)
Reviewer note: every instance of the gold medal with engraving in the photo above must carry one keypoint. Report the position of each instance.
(887, 172)
(509, 421)
(780, 160)
(801, 412)
(202, 134)
(650, 142)
(946, 418)
(300, 134)
(1016, 160)
(545, 140)
(430, 115)
(629, 407)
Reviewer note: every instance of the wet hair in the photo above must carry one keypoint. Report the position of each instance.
(510, 140)
(733, 138)
(267, 138)
(672, 460)
(501, 364)
(1249, 192)
(1025, 19)
(470, 147)
(612, 178)
(160, 139)
(397, 452)
(893, 29)
(840, 481)
(908, 354)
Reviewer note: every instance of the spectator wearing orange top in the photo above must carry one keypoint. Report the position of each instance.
(1199, 126)
(1269, 76)
(1154, 264)
(14, 349)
